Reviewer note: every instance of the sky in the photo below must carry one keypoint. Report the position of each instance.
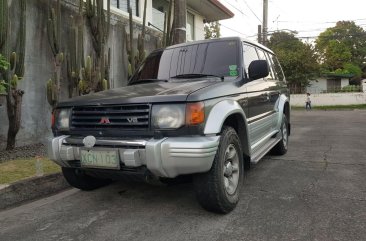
(308, 17)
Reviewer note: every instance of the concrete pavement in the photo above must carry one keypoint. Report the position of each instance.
(317, 191)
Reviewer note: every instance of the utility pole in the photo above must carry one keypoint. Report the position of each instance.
(180, 18)
(265, 21)
(260, 34)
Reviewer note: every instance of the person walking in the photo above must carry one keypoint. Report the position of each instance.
(308, 102)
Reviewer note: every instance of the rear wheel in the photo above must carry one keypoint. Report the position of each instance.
(281, 147)
(79, 179)
(218, 189)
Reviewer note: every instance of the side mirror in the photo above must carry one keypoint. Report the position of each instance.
(258, 69)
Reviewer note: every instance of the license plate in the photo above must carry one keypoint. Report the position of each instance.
(99, 159)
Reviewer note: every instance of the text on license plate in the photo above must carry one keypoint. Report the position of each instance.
(99, 159)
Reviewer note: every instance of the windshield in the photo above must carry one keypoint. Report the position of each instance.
(218, 58)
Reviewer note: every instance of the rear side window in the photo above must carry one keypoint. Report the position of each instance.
(277, 68)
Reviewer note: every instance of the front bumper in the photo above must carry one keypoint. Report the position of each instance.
(166, 157)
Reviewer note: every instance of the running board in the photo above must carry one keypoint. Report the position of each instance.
(264, 149)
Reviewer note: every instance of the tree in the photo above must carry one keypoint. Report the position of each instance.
(298, 60)
(212, 30)
(341, 46)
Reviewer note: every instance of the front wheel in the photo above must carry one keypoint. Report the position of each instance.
(218, 189)
(77, 178)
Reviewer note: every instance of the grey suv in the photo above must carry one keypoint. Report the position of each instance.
(205, 109)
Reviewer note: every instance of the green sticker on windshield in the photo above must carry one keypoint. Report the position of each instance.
(233, 67)
(233, 73)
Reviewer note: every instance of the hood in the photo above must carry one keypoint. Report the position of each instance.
(176, 91)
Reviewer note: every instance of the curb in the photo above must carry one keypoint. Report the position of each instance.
(30, 189)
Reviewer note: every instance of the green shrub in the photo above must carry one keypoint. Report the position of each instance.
(351, 88)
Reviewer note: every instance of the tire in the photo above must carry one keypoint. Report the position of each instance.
(218, 189)
(78, 179)
(281, 147)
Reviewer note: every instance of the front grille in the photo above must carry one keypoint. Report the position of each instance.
(124, 117)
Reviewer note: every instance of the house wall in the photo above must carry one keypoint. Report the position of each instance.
(198, 19)
(329, 99)
(36, 112)
(344, 82)
(317, 86)
(320, 85)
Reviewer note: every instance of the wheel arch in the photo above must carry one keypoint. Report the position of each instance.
(229, 113)
(284, 109)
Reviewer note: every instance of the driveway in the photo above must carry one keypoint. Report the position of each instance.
(317, 191)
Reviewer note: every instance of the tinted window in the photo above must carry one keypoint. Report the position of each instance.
(263, 56)
(149, 69)
(250, 54)
(277, 68)
(214, 58)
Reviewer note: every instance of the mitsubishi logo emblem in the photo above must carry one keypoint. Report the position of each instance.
(104, 120)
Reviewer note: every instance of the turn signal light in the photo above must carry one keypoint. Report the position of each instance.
(195, 113)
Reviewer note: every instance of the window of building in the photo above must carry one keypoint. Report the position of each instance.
(190, 27)
(123, 5)
(158, 9)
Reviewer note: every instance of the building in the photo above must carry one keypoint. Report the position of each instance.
(330, 82)
(198, 13)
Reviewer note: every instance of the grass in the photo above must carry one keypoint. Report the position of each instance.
(15, 170)
(332, 107)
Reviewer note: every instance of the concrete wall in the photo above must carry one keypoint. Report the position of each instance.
(35, 125)
(330, 99)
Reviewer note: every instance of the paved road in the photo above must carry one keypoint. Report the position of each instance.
(316, 192)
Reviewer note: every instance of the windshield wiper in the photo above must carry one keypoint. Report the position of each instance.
(189, 76)
(143, 81)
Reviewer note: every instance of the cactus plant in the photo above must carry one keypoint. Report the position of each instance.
(91, 77)
(4, 23)
(99, 23)
(135, 58)
(54, 40)
(14, 69)
(75, 55)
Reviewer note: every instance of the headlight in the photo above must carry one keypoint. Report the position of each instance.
(168, 116)
(62, 119)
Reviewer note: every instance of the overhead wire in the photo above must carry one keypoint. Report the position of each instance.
(233, 30)
(239, 10)
(252, 11)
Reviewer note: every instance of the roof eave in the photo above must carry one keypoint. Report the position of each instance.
(211, 10)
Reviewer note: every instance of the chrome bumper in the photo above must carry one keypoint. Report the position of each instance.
(167, 157)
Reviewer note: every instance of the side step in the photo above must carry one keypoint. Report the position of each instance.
(256, 156)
